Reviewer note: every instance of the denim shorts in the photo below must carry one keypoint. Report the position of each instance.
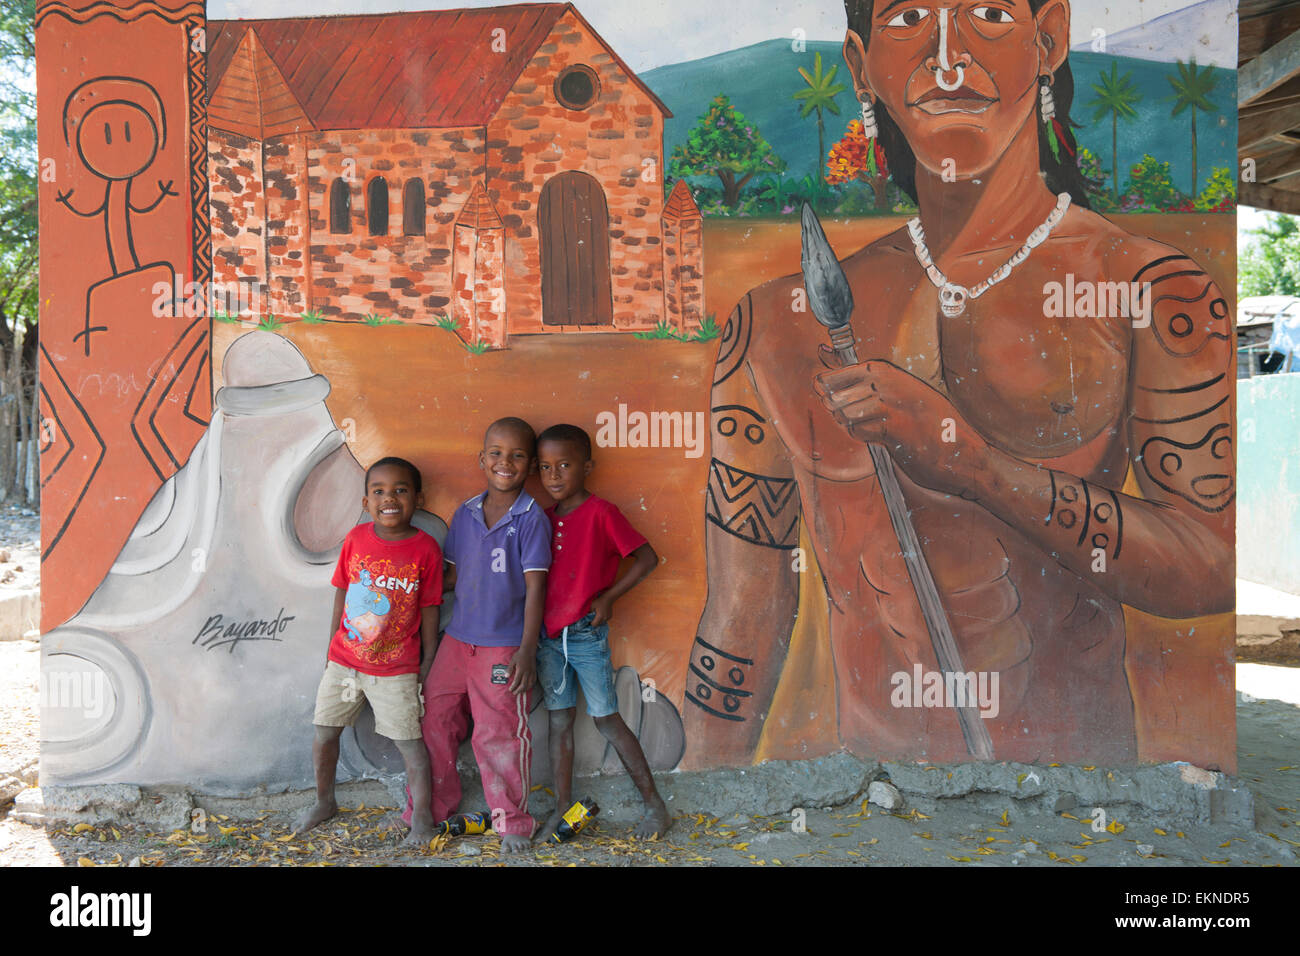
(588, 664)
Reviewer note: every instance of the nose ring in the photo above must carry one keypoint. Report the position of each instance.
(945, 66)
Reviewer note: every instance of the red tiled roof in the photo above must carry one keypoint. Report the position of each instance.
(434, 69)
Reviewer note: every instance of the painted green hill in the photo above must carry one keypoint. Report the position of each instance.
(762, 80)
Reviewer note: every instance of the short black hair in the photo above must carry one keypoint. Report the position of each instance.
(399, 463)
(570, 433)
(519, 425)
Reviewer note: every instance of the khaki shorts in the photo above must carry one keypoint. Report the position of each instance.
(395, 701)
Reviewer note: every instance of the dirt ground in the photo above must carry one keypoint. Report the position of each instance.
(951, 833)
(954, 833)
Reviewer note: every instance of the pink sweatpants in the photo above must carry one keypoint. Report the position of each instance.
(459, 687)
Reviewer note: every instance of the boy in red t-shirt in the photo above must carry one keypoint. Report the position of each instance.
(385, 633)
(590, 536)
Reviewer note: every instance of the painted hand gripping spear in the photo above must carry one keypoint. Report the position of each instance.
(832, 305)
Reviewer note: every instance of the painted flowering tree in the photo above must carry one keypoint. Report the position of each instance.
(724, 144)
(856, 159)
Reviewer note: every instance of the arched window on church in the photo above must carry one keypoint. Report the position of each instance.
(377, 206)
(340, 206)
(413, 207)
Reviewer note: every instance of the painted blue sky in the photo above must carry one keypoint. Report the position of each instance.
(652, 33)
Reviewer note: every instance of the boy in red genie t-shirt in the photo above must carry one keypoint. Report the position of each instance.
(385, 633)
(590, 537)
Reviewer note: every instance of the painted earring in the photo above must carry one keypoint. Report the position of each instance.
(869, 128)
(1047, 107)
(871, 132)
(1047, 104)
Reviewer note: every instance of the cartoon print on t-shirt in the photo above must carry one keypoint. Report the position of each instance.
(365, 609)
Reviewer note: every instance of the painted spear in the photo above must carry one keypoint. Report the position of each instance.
(832, 305)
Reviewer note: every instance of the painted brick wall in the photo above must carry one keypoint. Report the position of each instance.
(395, 276)
(683, 273)
(287, 231)
(237, 205)
(533, 137)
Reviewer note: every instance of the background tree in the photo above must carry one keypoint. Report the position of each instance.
(818, 98)
(1116, 97)
(1270, 263)
(725, 145)
(1192, 89)
(19, 295)
(855, 158)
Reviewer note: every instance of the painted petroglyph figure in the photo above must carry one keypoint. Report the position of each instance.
(118, 125)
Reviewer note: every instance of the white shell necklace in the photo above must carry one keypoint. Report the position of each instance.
(952, 297)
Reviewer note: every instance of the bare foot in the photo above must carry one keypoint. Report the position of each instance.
(515, 843)
(314, 816)
(655, 823)
(549, 826)
(420, 835)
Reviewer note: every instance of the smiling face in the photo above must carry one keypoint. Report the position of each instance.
(998, 48)
(117, 140)
(391, 499)
(563, 467)
(507, 457)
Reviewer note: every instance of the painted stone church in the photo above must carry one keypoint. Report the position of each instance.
(500, 166)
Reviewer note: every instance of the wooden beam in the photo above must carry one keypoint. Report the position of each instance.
(1269, 70)
(1282, 95)
(1254, 129)
(1269, 197)
(1272, 168)
(1256, 27)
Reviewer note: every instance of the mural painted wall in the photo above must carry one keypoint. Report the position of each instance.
(927, 408)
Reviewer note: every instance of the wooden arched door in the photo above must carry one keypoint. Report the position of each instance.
(573, 228)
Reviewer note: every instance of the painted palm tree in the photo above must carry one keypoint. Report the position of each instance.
(1116, 97)
(820, 97)
(1192, 89)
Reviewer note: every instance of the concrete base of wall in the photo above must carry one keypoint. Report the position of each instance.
(20, 616)
(1174, 795)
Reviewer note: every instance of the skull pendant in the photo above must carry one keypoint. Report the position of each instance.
(952, 300)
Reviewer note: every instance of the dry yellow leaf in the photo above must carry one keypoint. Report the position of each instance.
(959, 859)
(82, 828)
(1160, 832)
(85, 861)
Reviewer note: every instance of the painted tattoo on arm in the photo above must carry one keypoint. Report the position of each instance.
(755, 508)
(716, 684)
(1091, 508)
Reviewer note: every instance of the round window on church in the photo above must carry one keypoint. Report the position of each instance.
(576, 87)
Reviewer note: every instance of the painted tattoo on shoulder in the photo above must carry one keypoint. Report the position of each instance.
(1186, 445)
(733, 345)
(1188, 314)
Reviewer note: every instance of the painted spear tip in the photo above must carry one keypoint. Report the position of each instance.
(828, 289)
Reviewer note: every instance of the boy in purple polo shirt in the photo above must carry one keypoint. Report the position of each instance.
(499, 546)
